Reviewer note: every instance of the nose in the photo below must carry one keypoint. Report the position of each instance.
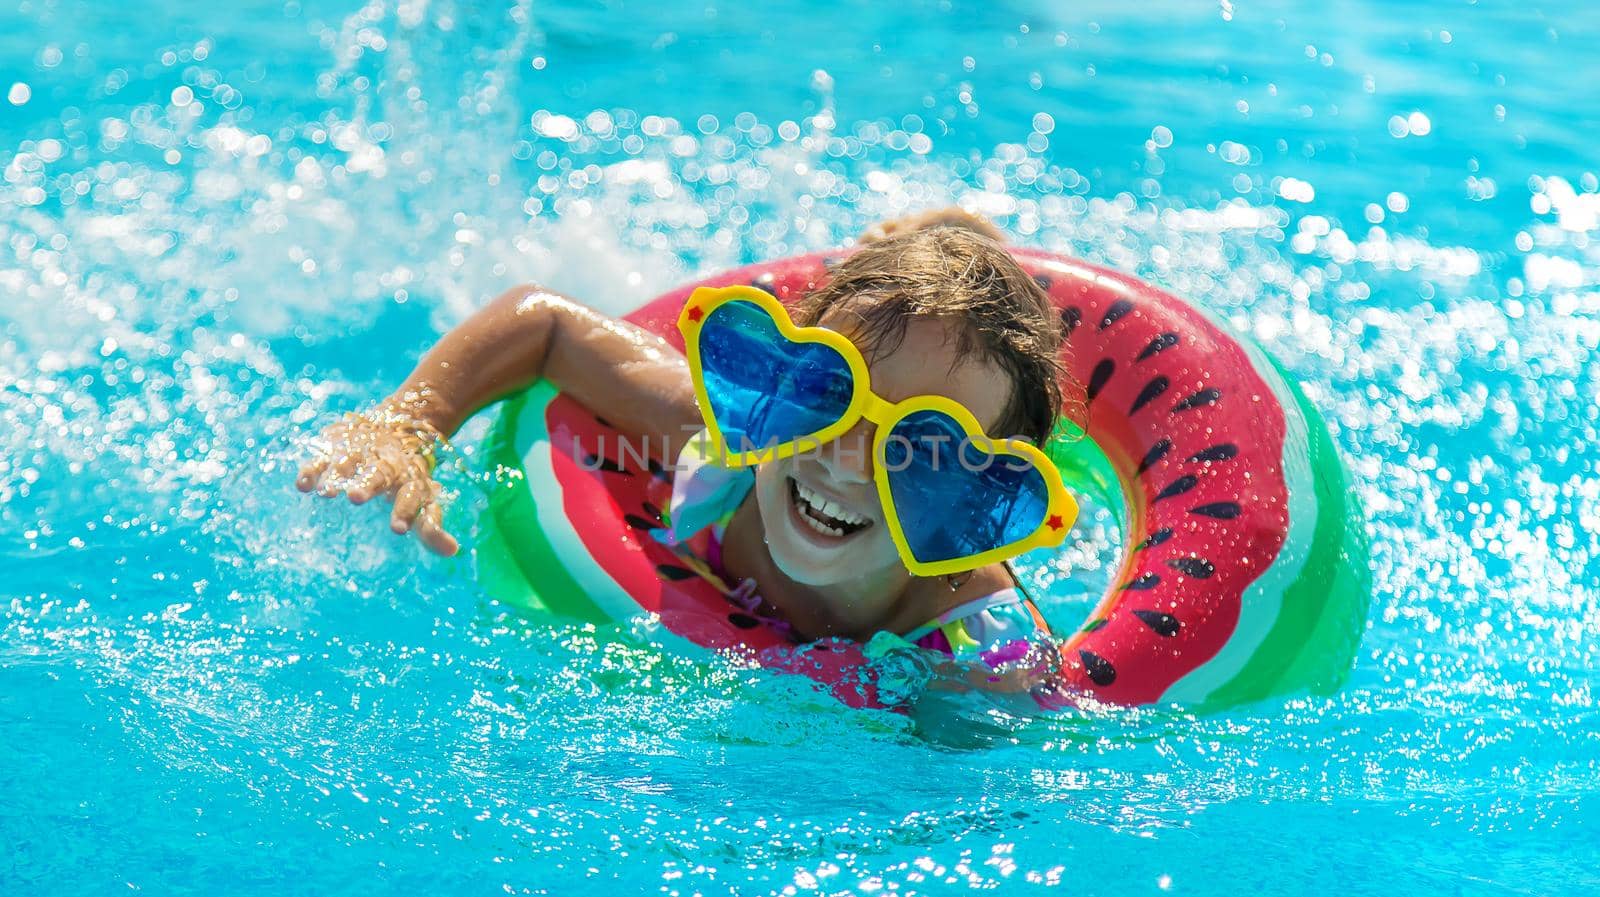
(848, 458)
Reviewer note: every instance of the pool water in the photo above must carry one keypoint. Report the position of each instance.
(223, 224)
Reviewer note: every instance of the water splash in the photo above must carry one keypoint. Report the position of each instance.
(207, 251)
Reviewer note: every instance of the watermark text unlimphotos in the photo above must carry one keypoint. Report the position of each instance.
(896, 452)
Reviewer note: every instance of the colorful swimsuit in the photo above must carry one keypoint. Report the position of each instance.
(998, 628)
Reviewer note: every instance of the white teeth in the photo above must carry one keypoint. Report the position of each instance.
(828, 506)
(821, 527)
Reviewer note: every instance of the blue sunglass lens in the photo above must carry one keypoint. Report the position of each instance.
(953, 499)
(764, 389)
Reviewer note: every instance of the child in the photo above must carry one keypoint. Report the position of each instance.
(936, 306)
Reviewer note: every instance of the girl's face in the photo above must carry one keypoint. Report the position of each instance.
(824, 523)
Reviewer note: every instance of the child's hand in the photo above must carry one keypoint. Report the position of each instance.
(383, 452)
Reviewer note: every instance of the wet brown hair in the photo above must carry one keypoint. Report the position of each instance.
(963, 276)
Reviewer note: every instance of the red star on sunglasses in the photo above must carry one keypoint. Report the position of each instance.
(695, 313)
(1054, 522)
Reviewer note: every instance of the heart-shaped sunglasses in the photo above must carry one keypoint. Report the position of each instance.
(954, 499)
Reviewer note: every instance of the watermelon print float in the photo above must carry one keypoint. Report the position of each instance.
(1244, 571)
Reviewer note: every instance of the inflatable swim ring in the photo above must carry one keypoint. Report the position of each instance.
(1244, 570)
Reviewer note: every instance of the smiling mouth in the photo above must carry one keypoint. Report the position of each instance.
(823, 515)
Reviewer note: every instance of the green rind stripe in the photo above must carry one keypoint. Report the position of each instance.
(1313, 644)
(593, 584)
(1262, 602)
(498, 570)
(517, 563)
(1299, 622)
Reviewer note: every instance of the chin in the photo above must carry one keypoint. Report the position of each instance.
(806, 554)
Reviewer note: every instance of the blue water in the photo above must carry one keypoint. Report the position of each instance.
(222, 224)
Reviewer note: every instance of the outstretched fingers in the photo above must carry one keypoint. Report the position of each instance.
(311, 474)
(408, 502)
(337, 472)
(363, 458)
(430, 529)
(377, 479)
(417, 509)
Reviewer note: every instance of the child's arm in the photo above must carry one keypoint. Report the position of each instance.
(636, 379)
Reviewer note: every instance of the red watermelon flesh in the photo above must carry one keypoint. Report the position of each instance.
(1197, 436)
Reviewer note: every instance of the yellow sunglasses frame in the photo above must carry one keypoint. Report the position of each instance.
(864, 404)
